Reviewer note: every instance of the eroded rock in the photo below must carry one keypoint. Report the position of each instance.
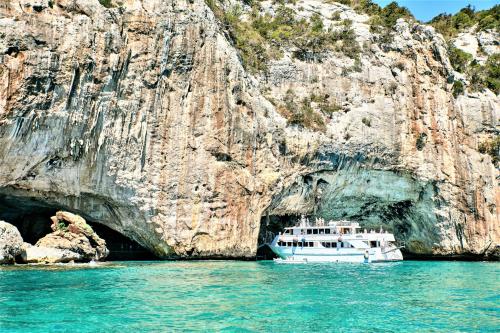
(153, 127)
(72, 233)
(47, 255)
(11, 243)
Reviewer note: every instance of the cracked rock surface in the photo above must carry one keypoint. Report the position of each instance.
(141, 117)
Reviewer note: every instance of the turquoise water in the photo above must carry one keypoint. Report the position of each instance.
(229, 296)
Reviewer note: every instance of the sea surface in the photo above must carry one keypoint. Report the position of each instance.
(230, 296)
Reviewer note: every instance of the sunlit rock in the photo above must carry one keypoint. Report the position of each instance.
(11, 243)
(142, 118)
(72, 233)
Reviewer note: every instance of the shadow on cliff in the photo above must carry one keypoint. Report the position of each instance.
(32, 219)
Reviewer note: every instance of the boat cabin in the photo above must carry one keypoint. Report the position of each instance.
(344, 229)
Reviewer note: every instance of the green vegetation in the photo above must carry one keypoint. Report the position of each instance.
(366, 122)
(261, 37)
(308, 112)
(458, 88)
(492, 148)
(480, 76)
(487, 75)
(324, 105)
(382, 19)
(106, 3)
(391, 13)
(458, 58)
(450, 25)
(62, 226)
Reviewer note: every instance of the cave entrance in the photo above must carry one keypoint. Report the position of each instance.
(270, 226)
(120, 247)
(32, 219)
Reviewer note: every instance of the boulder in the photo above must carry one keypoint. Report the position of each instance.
(72, 233)
(11, 243)
(47, 255)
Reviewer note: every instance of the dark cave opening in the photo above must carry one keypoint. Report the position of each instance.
(120, 247)
(32, 219)
(270, 226)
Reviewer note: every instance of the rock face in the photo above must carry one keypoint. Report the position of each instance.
(74, 238)
(11, 243)
(141, 117)
(47, 255)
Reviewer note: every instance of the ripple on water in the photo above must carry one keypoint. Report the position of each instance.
(251, 297)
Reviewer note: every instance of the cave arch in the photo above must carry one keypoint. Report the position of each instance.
(32, 218)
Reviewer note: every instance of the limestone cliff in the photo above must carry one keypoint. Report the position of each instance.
(142, 117)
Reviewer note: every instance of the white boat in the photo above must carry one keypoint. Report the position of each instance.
(340, 241)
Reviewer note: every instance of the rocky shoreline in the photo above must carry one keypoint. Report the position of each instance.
(71, 240)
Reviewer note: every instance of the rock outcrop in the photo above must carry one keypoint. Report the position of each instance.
(11, 243)
(73, 238)
(142, 117)
(47, 255)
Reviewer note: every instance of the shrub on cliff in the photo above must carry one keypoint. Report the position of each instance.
(324, 105)
(307, 117)
(303, 113)
(492, 148)
(106, 3)
(382, 18)
(450, 25)
(458, 58)
(458, 88)
(261, 37)
(487, 75)
(345, 38)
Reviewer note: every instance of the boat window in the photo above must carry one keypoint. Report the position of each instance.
(327, 231)
(373, 243)
(334, 244)
(311, 244)
(287, 232)
(309, 231)
(315, 231)
(321, 231)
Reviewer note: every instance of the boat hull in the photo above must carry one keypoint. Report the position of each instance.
(301, 255)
